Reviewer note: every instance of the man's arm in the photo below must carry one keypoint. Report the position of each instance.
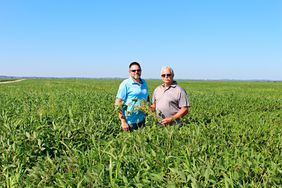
(153, 107)
(124, 125)
(181, 113)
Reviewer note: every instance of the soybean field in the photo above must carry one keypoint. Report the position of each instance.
(66, 133)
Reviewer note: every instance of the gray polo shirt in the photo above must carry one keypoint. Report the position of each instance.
(169, 100)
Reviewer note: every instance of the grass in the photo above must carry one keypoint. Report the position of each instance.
(65, 133)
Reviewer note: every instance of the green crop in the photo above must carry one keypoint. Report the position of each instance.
(66, 133)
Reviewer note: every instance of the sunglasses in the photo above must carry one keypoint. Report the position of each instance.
(166, 75)
(137, 70)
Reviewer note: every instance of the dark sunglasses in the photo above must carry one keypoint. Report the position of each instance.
(166, 75)
(137, 70)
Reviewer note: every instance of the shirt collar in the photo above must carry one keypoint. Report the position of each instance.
(133, 82)
(174, 83)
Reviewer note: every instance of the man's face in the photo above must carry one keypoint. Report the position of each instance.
(135, 71)
(166, 76)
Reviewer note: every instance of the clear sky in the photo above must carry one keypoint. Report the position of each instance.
(199, 39)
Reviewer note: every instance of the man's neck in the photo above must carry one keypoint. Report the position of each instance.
(167, 85)
(136, 80)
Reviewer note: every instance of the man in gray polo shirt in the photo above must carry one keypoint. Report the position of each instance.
(170, 101)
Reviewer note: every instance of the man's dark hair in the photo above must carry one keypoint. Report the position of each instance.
(135, 63)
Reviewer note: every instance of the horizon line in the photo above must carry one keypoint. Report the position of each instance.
(120, 78)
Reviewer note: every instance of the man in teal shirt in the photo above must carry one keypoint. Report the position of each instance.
(131, 93)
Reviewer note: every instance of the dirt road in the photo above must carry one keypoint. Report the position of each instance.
(12, 81)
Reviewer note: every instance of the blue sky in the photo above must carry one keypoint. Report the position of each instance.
(199, 39)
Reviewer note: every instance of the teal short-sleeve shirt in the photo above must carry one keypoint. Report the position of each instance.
(132, 93)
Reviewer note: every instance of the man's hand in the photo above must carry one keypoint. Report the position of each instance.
(182, 112)
(153, 107)
(125, 126)
(167, 120)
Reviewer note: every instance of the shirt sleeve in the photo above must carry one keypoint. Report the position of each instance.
(122, 91)
(183, 100)
(146, 89)
(154, 97)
